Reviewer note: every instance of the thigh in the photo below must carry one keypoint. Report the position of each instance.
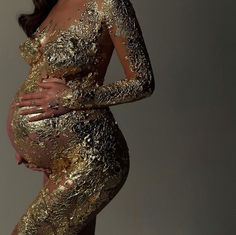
(70, 199)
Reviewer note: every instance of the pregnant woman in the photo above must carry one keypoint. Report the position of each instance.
(60, 121)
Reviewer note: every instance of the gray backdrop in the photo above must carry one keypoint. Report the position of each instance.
(181, 139)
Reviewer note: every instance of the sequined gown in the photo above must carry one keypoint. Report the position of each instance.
(84, 148)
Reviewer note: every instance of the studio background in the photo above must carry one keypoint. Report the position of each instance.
(181, 139)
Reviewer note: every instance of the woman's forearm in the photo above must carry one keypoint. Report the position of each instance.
(122, 91)
(124, 30)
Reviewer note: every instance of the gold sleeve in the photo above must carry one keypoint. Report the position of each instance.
(125, 32)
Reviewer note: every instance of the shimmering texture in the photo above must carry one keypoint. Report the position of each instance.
(84, 148)
(120, 19)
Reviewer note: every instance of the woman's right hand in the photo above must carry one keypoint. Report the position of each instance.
(20, 160)
(36, 168)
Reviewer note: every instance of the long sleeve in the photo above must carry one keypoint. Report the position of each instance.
(125, 33)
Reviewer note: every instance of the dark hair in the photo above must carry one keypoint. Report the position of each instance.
(30, 22)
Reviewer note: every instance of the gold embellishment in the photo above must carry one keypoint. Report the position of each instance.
(84, 148)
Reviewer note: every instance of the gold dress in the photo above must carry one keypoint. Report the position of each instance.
(84, 148)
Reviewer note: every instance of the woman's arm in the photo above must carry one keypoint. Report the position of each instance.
(126, 35)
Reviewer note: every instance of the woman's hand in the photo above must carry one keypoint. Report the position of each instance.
(20, 160)
(33, 167)
(46, 101)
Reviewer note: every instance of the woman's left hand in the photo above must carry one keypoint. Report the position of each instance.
(36, 168)
(46, 101)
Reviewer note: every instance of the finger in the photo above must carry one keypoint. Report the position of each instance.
(34, 168)
(49, 85)
(47, 170)
(34, 95)
(45, 85)
(18, 156)
(38, 117)
(19, 162)
(32, 102)
(54, 79)
(31, 111)
(41, 117)
(23, 161)
(31, 165)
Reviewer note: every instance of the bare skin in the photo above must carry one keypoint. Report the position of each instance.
(52, 86)
(21, 160)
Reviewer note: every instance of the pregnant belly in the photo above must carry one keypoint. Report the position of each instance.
(37, 142)
(45, 141)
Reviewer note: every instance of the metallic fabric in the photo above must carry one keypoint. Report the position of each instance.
(84, 148)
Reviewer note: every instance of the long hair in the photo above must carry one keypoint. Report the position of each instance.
(30, 22)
